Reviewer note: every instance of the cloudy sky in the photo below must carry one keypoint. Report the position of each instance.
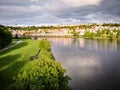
(45, 12)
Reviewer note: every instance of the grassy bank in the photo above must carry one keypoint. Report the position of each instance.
(23, 67)
(15, 60)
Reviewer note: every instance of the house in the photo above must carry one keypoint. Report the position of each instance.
(80, 30)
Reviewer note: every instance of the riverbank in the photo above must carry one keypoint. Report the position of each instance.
(16, 67)
(37, 37)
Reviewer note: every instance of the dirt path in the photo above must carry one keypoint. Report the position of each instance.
(18, 42)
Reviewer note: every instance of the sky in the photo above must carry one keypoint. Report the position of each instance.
(53, 12)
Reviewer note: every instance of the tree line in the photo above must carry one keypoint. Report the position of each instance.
(85, 26)
(106, 33)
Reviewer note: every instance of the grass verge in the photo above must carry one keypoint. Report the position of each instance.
(15, 60)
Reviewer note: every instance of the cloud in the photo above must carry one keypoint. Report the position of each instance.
(59, 11)
(101, 18)
(77, 3)
(34, 0)
(110, 7)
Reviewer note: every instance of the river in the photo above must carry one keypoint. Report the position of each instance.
(92, 64)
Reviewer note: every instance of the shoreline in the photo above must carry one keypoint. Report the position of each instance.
(68, 36)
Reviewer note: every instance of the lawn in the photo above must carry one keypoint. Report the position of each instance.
(15, 60)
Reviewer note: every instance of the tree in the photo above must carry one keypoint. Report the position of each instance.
(99, 33)
(5, 36)
(118, 34)
(44, 45)
(46, 73)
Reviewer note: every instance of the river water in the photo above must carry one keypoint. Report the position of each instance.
(92, 64)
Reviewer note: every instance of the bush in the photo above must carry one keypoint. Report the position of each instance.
(99, 33)
(5, 36)
(118, 34)
(46, 74)
(89, 34)
(45, 45)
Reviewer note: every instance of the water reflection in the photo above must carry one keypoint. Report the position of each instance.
(92, 64)
(102, 45)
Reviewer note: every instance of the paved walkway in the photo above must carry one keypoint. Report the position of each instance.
(18, 42)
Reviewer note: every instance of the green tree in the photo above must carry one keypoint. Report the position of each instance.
(46, 73)
(5, 36)
(44, 45)
(113, 35)
(99, 33)
(118, 34)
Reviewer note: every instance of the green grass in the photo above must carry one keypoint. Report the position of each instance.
(15, 60)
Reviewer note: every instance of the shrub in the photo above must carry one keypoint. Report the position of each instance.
(89, 34)
(118, 34)
(46, 74)
(44, 45)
